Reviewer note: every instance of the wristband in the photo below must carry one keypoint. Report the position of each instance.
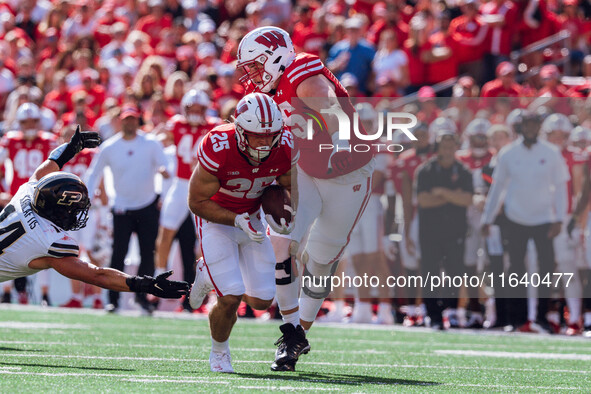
(62, 154)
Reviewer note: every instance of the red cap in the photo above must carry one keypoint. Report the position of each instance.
(505, 68)
(549, 71)
(425, 93)
(129, 110)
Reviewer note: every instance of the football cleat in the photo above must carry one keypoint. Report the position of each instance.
(23, 298)
(532, 327)
(475, 321)
(45, 300)
(73, 303)
(290, 346)
(97, 304)
(573, 329)
(220, 362)
(587, 331)
(201, 287)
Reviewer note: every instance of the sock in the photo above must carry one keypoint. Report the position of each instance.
(77, 296)
(384, 307)
(587, 319)
(412, 310)
(574, 308)
(309, 307)
(287, 295)
(553, 317)
(97, 296)
(339, 306)
(220, 347)
(363, 306)
(532, 308)
(158, 271)
(293, 318)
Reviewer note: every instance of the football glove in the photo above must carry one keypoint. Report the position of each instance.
(243, 223)
(283, 227)
(159, 286)
(80, 140)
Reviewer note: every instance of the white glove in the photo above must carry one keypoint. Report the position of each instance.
(243, 223)
(283, 227)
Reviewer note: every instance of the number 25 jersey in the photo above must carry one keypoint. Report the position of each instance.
(241, 183)
(25, 236)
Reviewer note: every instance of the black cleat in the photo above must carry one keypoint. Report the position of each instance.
(290, 346)
(45, 300)
(587, 331)
(6, 298)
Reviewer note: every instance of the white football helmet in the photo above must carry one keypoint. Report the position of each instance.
(194, 97)
(272, 48)
(257, 115)
(28, 111)
(580, 133)
(556, 122)
(478, 126)
(440, 127)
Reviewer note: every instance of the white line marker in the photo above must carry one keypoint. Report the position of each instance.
(41, 325)
(544, 356)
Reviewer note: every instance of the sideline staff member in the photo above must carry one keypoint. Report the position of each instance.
(444, 190)
(532, 176)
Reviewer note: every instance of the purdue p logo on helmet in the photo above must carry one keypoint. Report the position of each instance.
(62, 198)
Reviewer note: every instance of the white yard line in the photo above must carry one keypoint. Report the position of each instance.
(330, 364)
(18, 325)
(520, 355)
(227, 379)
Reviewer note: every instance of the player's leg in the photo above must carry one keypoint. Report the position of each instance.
(343, 205)
(410, 263)
(473, 244)
(547, 266)
(219, 269)
(187, 237)
(122, 228)
(518, 237)
(566, 250)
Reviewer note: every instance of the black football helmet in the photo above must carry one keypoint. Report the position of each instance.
(62, 198)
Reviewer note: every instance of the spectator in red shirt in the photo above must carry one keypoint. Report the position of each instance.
(96, 93)
(229, 89)
(417, 39)
(174, 90)
(427, 100)
(102, 31)
(387, 18)
(553, 94)
(538, 23)
(470, 33)
(504, 85)
(501, 17)
(59, 100)
(390, 62)
(80, 114)
(311, 38)
(440, 54)
(153, 23)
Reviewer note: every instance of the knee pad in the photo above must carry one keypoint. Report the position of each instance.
(316, 279)
(284, 274)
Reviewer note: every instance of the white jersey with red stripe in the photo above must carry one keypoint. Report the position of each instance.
(242, 183)
(186, 138)
(313, 161)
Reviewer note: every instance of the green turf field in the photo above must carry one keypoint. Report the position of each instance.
(71, 351)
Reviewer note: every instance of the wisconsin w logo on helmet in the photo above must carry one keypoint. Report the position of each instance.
(271, 40)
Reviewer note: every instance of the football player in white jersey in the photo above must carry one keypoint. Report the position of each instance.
(34, 229)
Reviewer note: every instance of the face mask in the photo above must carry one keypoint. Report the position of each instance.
(479, 152)
(194, 119)
(259, 153)
(30, 133)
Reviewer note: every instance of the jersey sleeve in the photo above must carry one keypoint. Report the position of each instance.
(304, 67)
(66, 246)
(210, 154)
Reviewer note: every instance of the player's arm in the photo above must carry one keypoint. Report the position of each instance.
(108, 278)
(202, 187)
(289, 181)
(65, 152)
(318, 93)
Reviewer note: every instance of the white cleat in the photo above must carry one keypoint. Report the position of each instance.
(385, 317)
(220, 362)
(201, 287)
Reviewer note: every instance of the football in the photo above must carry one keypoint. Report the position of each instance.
(274, 200)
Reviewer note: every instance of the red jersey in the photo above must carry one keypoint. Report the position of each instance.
(186, 138)
(80, 163)
(501, 37)
(315, 162)
(241, 183)
(572, 156)
(441, 70)
(470, 35)
(25, 155)
(475, 165)
(411, 161)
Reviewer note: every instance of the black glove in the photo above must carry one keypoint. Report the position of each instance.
(80, 140)
(159, 286)
(571, 226)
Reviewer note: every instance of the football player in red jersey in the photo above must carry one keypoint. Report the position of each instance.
(26, 148)
(568, 250)
(236, 162)
(334, 185)
(185, 131)
(475, 158)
